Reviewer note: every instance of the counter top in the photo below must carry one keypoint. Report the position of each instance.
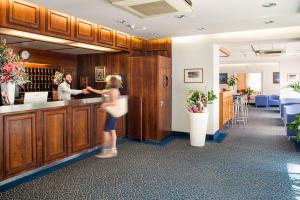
(33, 106)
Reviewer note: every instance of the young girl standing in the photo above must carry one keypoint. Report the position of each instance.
(113, 83)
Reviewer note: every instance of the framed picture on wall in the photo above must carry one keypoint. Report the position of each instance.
(292, 77)
(276, 77)
(223, 77)
(100, 74)
(194, 75)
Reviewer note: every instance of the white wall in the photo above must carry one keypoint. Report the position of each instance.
(194, 53)
(288, 66)
(267, 70)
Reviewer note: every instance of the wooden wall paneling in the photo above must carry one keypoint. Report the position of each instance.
(1, 148)
(58, 23)
(20, 143)
(120, 126)
(84, 30)
(54, 135)
(105, 35)
(136, 43)
(81, 132)
(226, 108)
(122, 40)
(24, 14)
(48, 57)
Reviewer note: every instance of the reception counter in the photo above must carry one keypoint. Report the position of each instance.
(34, 135)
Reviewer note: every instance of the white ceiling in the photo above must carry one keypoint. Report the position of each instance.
(215, 16)
(243, 52)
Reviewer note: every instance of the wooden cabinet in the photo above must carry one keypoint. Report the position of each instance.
(81, 128)
(226, 109)
(105, 35)
(19, 143)
(84, 30)
(58, 23)
(137, 43)
(122, 40)
(54, 134)
(24, 14)
(150, 79)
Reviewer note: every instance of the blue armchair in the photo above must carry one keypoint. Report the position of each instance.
(261, 100)
(287, 101)
(273, 100)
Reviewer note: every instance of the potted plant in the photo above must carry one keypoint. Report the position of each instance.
(12, 73)
(57, 79)
(196, 104)
(248, 92)
(295, 86)
(232, 81)
(295, 125)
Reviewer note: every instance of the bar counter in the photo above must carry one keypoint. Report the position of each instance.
(34, 135)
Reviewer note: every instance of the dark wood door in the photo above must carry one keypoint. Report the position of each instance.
(164, 97)
(55, 135)
(19, 143)
(135, 116)
(81, 133)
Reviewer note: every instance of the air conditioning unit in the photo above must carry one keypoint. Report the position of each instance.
(148, 8)
(272, 52)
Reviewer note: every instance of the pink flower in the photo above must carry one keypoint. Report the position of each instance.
(9, 67)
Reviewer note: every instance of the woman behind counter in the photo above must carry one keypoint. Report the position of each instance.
(113, 83)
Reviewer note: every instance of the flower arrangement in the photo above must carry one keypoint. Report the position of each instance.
(12, 68)
(196, 101)
(57, 78)
(232, 81)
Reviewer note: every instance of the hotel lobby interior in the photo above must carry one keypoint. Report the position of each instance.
(211, 92)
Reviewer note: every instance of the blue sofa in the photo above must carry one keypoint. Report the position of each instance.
(261, 100)
(273, 100)
(287, 101)
(290, 112)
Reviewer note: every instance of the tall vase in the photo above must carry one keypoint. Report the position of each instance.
(198, 128)
(8, 93)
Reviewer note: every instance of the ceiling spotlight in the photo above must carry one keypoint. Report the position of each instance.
(200, 28)
(180, 16)
(269, 5)
(269, 22)
(122, 21)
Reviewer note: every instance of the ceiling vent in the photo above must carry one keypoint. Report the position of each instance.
(272, 52)
(148, 8)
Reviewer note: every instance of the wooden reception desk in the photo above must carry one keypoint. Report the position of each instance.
(33, 135)
(226, 108)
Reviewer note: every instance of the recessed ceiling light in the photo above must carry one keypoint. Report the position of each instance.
(180, 16)
(122, 21)
(268, 5)
(269, 22)
(200, 28)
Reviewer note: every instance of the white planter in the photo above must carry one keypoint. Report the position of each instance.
(8, 93)
(198, 127)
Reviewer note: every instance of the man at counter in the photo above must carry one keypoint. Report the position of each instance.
(64, 90)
